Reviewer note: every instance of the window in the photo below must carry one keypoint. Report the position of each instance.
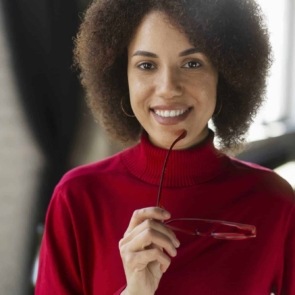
(275, 117)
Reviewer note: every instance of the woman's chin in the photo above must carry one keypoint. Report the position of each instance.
(164, 139)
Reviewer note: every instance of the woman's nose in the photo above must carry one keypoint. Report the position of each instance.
(168, 84)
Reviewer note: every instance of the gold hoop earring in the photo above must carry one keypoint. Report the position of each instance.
(132, 116)
(215, 115)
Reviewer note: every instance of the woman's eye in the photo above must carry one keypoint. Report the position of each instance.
(192, 64)
(146, 66)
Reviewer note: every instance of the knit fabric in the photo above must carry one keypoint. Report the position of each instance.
(92, 205)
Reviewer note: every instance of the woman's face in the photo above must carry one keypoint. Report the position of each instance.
(171, 88)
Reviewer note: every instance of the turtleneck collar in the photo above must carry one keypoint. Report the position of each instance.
(184, 167)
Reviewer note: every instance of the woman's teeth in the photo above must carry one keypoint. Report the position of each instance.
(170, 113)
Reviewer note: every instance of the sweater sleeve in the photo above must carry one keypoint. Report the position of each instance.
(288, 286)
(58, 271)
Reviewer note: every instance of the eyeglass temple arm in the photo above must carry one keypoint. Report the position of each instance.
(183, 135)
(242, 226)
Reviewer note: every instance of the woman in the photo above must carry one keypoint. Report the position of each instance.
(157, 71)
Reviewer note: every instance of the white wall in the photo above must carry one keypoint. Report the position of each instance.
(20, 161)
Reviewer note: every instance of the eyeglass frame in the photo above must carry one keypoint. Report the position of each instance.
(224, 236)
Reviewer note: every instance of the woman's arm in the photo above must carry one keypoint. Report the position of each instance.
(58, 271)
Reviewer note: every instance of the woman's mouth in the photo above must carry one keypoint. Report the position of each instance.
(170, 117)
(173, 113)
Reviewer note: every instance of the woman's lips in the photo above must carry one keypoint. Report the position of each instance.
(171, 120)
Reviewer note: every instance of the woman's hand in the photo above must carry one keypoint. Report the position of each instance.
(141, 250)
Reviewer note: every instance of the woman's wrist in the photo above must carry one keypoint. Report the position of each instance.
(125, 292)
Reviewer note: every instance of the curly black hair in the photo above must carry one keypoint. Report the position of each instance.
(232, 33)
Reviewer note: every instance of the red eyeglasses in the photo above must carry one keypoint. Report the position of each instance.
(217, 229)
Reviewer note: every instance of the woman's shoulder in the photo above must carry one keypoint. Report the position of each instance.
(261, 176)
(94, 172)
(251, 167)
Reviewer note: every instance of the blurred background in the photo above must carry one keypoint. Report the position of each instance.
(46, 128)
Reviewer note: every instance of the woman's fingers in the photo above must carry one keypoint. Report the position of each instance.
(151, 236)
(137, 261)
(155, 225)
(141, 215)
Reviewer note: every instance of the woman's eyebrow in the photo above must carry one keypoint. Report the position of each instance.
(144, 53)
(189, 51)
(183, 53)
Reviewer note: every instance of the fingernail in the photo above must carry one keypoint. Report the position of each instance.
(176, 243)
(166, 214)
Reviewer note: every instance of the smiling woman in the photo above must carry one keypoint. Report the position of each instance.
(155, 72)
(230, 36)
(177, 87)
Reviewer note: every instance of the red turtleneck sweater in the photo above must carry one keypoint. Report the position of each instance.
(92, 205)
